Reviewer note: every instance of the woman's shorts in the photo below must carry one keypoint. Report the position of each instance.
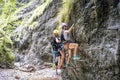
(57, 53)
(60, 47)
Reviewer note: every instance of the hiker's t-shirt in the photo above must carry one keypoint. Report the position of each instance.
(66, 36)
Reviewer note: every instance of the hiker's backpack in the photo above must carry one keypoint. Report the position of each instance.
(62, 37)
(54, 44)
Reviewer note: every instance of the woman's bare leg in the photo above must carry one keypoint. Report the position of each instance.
(62, 58)
(70, 48)
(69, 55)
(74, 46)
(59, 61)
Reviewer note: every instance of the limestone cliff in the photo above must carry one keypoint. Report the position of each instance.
(97, 31)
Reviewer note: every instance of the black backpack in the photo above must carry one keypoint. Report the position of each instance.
(54, 44)
(62, 37)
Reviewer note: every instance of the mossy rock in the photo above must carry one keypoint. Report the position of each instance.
(7, 59)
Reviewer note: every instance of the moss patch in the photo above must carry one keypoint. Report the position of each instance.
(64, 12)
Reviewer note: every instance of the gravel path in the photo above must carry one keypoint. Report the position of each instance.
(44, 74)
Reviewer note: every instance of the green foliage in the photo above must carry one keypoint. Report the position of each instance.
(38, 12)
(1, 1)
(6, 55)
(33, 25)
(65, 11)
(8, 23)
(6, 27)
(23, 6)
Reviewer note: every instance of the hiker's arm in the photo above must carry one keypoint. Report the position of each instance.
(70, 29)
(57, 40)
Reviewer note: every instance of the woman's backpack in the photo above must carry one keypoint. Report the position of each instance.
(62, 37)
(54, 44)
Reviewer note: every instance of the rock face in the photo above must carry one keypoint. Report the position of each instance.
(34, 47)
(97, 30)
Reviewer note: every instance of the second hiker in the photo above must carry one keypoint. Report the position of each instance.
(60, 48)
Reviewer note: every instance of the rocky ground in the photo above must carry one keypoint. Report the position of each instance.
(29, 73)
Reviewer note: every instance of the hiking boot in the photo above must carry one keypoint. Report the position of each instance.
(76, 57)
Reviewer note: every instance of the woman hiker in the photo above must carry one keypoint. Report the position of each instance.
(69, 43)
(59, 48)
